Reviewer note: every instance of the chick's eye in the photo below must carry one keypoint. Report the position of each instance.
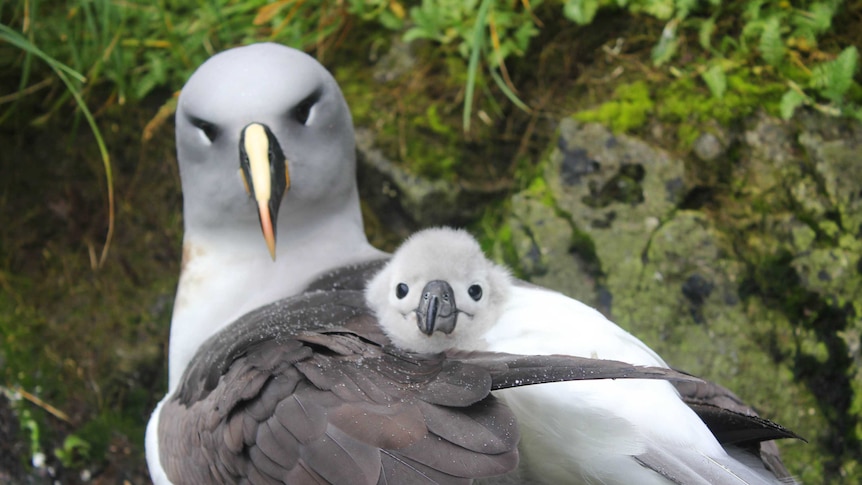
(475, 292)
(401, 290)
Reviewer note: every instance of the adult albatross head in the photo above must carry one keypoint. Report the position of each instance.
(249, 121)
(265, 147)
(438, 291)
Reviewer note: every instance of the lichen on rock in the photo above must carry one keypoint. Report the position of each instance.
(758, 288)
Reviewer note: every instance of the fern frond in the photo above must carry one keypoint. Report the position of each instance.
(715, 80)
(791, 100)
(833, 78)
(771, 44)
(582, 12)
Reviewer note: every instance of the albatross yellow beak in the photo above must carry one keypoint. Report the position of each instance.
(266, 177)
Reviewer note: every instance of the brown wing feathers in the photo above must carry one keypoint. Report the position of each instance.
(324, 415)
(308, 390)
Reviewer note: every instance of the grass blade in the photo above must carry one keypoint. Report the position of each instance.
(501, 83)
(25, 45)
(68, 76)
(473, 65)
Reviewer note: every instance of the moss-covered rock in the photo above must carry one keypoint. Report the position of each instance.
(757, 288)
(405, 201)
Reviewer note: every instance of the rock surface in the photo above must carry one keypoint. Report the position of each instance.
(405, 201)
(757, 288)
(741, 263)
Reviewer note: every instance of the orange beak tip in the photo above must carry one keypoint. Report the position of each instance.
(266, 228)
(270, 243)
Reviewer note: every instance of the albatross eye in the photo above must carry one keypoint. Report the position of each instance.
(302, 111)
(209, 130)
(401, 290)
(475, 292)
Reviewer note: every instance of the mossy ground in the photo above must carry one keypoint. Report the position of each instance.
(89, 342)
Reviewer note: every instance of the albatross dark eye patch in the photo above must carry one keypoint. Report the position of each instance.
(401, 290)
(209, 130)
(302, 111)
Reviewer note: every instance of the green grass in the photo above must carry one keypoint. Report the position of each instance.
(107, 52)
(71, 80)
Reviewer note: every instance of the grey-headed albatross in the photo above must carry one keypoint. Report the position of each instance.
(265, 141)
(303, 390)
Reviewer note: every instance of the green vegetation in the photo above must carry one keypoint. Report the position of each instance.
(137, 48)
(133, 49)
(774, 63)
(764, 53)
(629, 109)
(776, 39)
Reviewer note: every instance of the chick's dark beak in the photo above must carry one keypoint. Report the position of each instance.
(266, 176)
(437, 310)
